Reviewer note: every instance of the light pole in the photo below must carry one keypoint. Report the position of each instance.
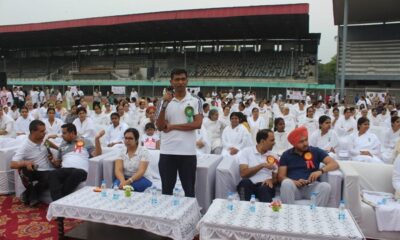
(184, 58)
(4, 63)
(291, 62)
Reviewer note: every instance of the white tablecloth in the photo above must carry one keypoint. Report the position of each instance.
(177, 222)
(388, 216)
(205, 179)
(292, 222)
(205, 175)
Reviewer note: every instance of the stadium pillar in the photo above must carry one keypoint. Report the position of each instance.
(344, 46)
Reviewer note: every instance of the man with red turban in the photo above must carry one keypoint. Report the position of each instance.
(299, 170)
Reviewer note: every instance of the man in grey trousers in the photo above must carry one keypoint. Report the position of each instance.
(299, 170)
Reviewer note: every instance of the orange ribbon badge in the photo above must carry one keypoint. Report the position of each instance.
(271, 160)
(308, 157)
(78, 146)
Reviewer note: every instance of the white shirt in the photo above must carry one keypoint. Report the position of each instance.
(54, 128)
(237, 137)
(214, 131)
(256, 125)
(178, 142)
(366, 142)
(201, 135)
(100, 119)
(13, 114)
(115, 134)
(251, 157)
(86, 128)
(6, 123)
(396, 175)
(30, 151)
(281, 143)
(131, 165)
(325, 142)
(290, 123)
(75, 158)
(342, 126)
(375, 121)
(22, 125)
(10, 99)
(310, 123)
(225, 119)
(134, 94)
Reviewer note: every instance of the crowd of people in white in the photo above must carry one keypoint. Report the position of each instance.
(368, 131)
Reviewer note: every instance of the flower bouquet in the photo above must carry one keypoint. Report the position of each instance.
(128, 190)
(276, 205)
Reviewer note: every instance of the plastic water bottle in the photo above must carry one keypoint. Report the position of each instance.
(253, 203)
(177, 196)
(313, 198)
(103, 188)
(230, 201)
(342, 212)
(115, 192)
(153, 191)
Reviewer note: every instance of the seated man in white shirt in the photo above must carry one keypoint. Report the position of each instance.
(115, 132)
(73, 157)
(258, 168)
(34, 163)
(22, 123)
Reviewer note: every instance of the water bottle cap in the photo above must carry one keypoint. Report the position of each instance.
(253, 196)
(103, 181)
(314, 193)
(342, 201)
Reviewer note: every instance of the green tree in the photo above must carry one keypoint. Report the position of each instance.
(327, 71)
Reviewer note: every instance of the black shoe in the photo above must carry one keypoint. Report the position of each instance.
(33, 202)
(25, 197)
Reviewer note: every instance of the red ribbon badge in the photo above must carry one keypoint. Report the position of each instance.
(78, 146)
(308, 157)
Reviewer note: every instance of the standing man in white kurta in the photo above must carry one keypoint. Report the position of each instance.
(178, 116)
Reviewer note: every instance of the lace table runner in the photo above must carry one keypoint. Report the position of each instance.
(165, 219)
(292, 222)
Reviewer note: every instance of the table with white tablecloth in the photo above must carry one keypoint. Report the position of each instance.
(205, 179)
(291, 222)
(164, 218)
(205, 175)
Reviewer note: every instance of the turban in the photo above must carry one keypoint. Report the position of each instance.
(295, 135)
(150, 108)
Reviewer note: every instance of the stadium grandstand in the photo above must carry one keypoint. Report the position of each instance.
(372, 47)
(259, 46)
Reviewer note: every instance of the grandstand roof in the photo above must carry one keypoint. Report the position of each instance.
(255, 22)
(367, 11)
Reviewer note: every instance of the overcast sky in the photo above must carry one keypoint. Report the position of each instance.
(33, 11)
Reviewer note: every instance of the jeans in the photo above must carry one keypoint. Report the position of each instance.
(139, 185)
